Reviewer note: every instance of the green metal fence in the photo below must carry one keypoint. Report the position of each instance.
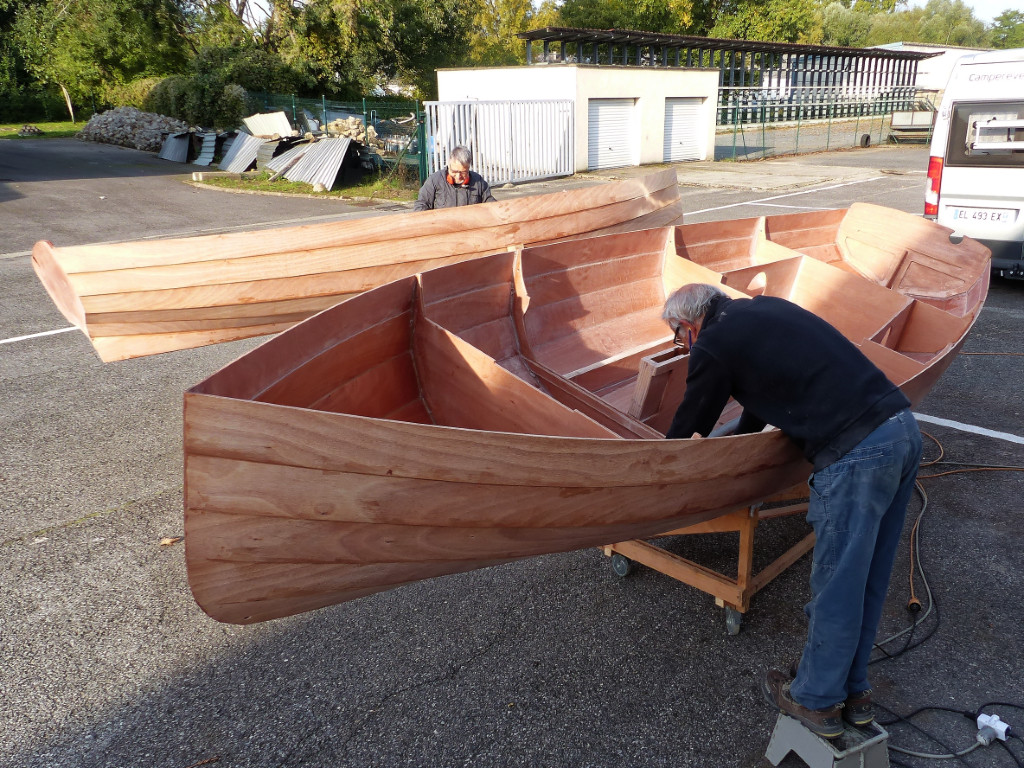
(398, 125)
(817, 122)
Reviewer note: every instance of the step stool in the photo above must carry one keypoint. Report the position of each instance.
(865, 747)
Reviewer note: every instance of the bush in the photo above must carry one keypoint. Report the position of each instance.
(133, 94)
(214, 94)
(167, 97)
(235, 103)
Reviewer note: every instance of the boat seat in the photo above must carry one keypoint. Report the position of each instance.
(656, 373)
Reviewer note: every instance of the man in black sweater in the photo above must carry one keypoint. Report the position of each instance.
(455, 185)
(791, 369)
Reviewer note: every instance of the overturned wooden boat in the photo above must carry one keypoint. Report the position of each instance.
(146, 297)
(513, 405)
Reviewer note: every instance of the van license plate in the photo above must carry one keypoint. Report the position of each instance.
(994, 215)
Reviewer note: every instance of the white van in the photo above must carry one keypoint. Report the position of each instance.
(976, 168)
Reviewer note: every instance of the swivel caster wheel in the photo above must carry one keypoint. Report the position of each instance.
(621, 565)
(733, 620)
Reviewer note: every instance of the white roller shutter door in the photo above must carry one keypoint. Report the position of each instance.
(610, 133)
(683, 130)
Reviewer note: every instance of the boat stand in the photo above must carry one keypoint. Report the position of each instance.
(866, 747)
(732, 594)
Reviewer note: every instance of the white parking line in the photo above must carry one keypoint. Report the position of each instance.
(37, 335)
(793, 207)
(970, 428)
(779, 197)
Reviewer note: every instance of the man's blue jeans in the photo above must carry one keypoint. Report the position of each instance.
(857, 508)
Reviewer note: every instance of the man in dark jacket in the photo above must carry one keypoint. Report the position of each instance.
(791, 369)
(457, 185)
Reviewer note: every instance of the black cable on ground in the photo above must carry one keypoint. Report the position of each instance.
(919, 729)
(965, 712)
(1009, 751)
(999, 704)
(909, 645)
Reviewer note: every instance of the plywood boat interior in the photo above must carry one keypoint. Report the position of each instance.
(473, 402)
(147, 297)
(579, 323)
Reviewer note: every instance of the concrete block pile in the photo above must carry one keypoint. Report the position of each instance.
(130, 127)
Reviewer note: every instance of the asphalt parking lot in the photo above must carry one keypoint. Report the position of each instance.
(105, 660)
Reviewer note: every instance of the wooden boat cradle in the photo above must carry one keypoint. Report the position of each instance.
(147, 297)
(513, 405)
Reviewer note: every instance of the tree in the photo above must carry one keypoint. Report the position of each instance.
(677, 17)
(354, 47)
(844, 26)
(495, 24)
(789, 21)
(948, 22)
(877, 6)
(91, 46)
(1008, 29)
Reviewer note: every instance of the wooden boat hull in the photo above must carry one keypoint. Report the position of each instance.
(141, 298)
(512, 406)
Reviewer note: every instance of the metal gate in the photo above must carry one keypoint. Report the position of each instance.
(610, 133)
(683, 132)
(510, 140)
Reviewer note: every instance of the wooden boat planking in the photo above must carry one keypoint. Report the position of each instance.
(511, 406)
(147, 297)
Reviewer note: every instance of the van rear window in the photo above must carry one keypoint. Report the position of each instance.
(989, 133)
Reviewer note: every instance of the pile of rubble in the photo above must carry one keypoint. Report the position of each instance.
(351, 127)
(29, 130)
(130, 127)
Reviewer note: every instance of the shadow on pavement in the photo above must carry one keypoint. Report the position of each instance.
(65, 159)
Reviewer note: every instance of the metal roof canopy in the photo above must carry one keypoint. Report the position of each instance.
(640, 38)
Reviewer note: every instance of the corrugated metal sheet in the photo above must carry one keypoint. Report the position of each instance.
(175, 147)
(320, 163)
(265, 154)
(282, 161)
(269, 124)
(242, 153)
(208, 149)
(224, 141)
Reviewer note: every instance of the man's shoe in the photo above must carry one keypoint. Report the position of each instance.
(857, 709)
(827, 723)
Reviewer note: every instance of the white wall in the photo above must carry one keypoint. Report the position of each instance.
(649, 86)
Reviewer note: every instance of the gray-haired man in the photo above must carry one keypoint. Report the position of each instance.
(455, 185)
(789, 368)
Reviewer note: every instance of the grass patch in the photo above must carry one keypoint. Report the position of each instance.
(59, 130)
(384, 186)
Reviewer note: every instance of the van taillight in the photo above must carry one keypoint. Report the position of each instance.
(931, 194)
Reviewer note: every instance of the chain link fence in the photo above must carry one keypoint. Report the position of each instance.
(754, 123)
(397, 125)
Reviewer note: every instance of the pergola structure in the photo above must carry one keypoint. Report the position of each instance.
(741, 62)
(754, 76)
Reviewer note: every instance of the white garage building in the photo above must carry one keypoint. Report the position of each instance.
(621, 115)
